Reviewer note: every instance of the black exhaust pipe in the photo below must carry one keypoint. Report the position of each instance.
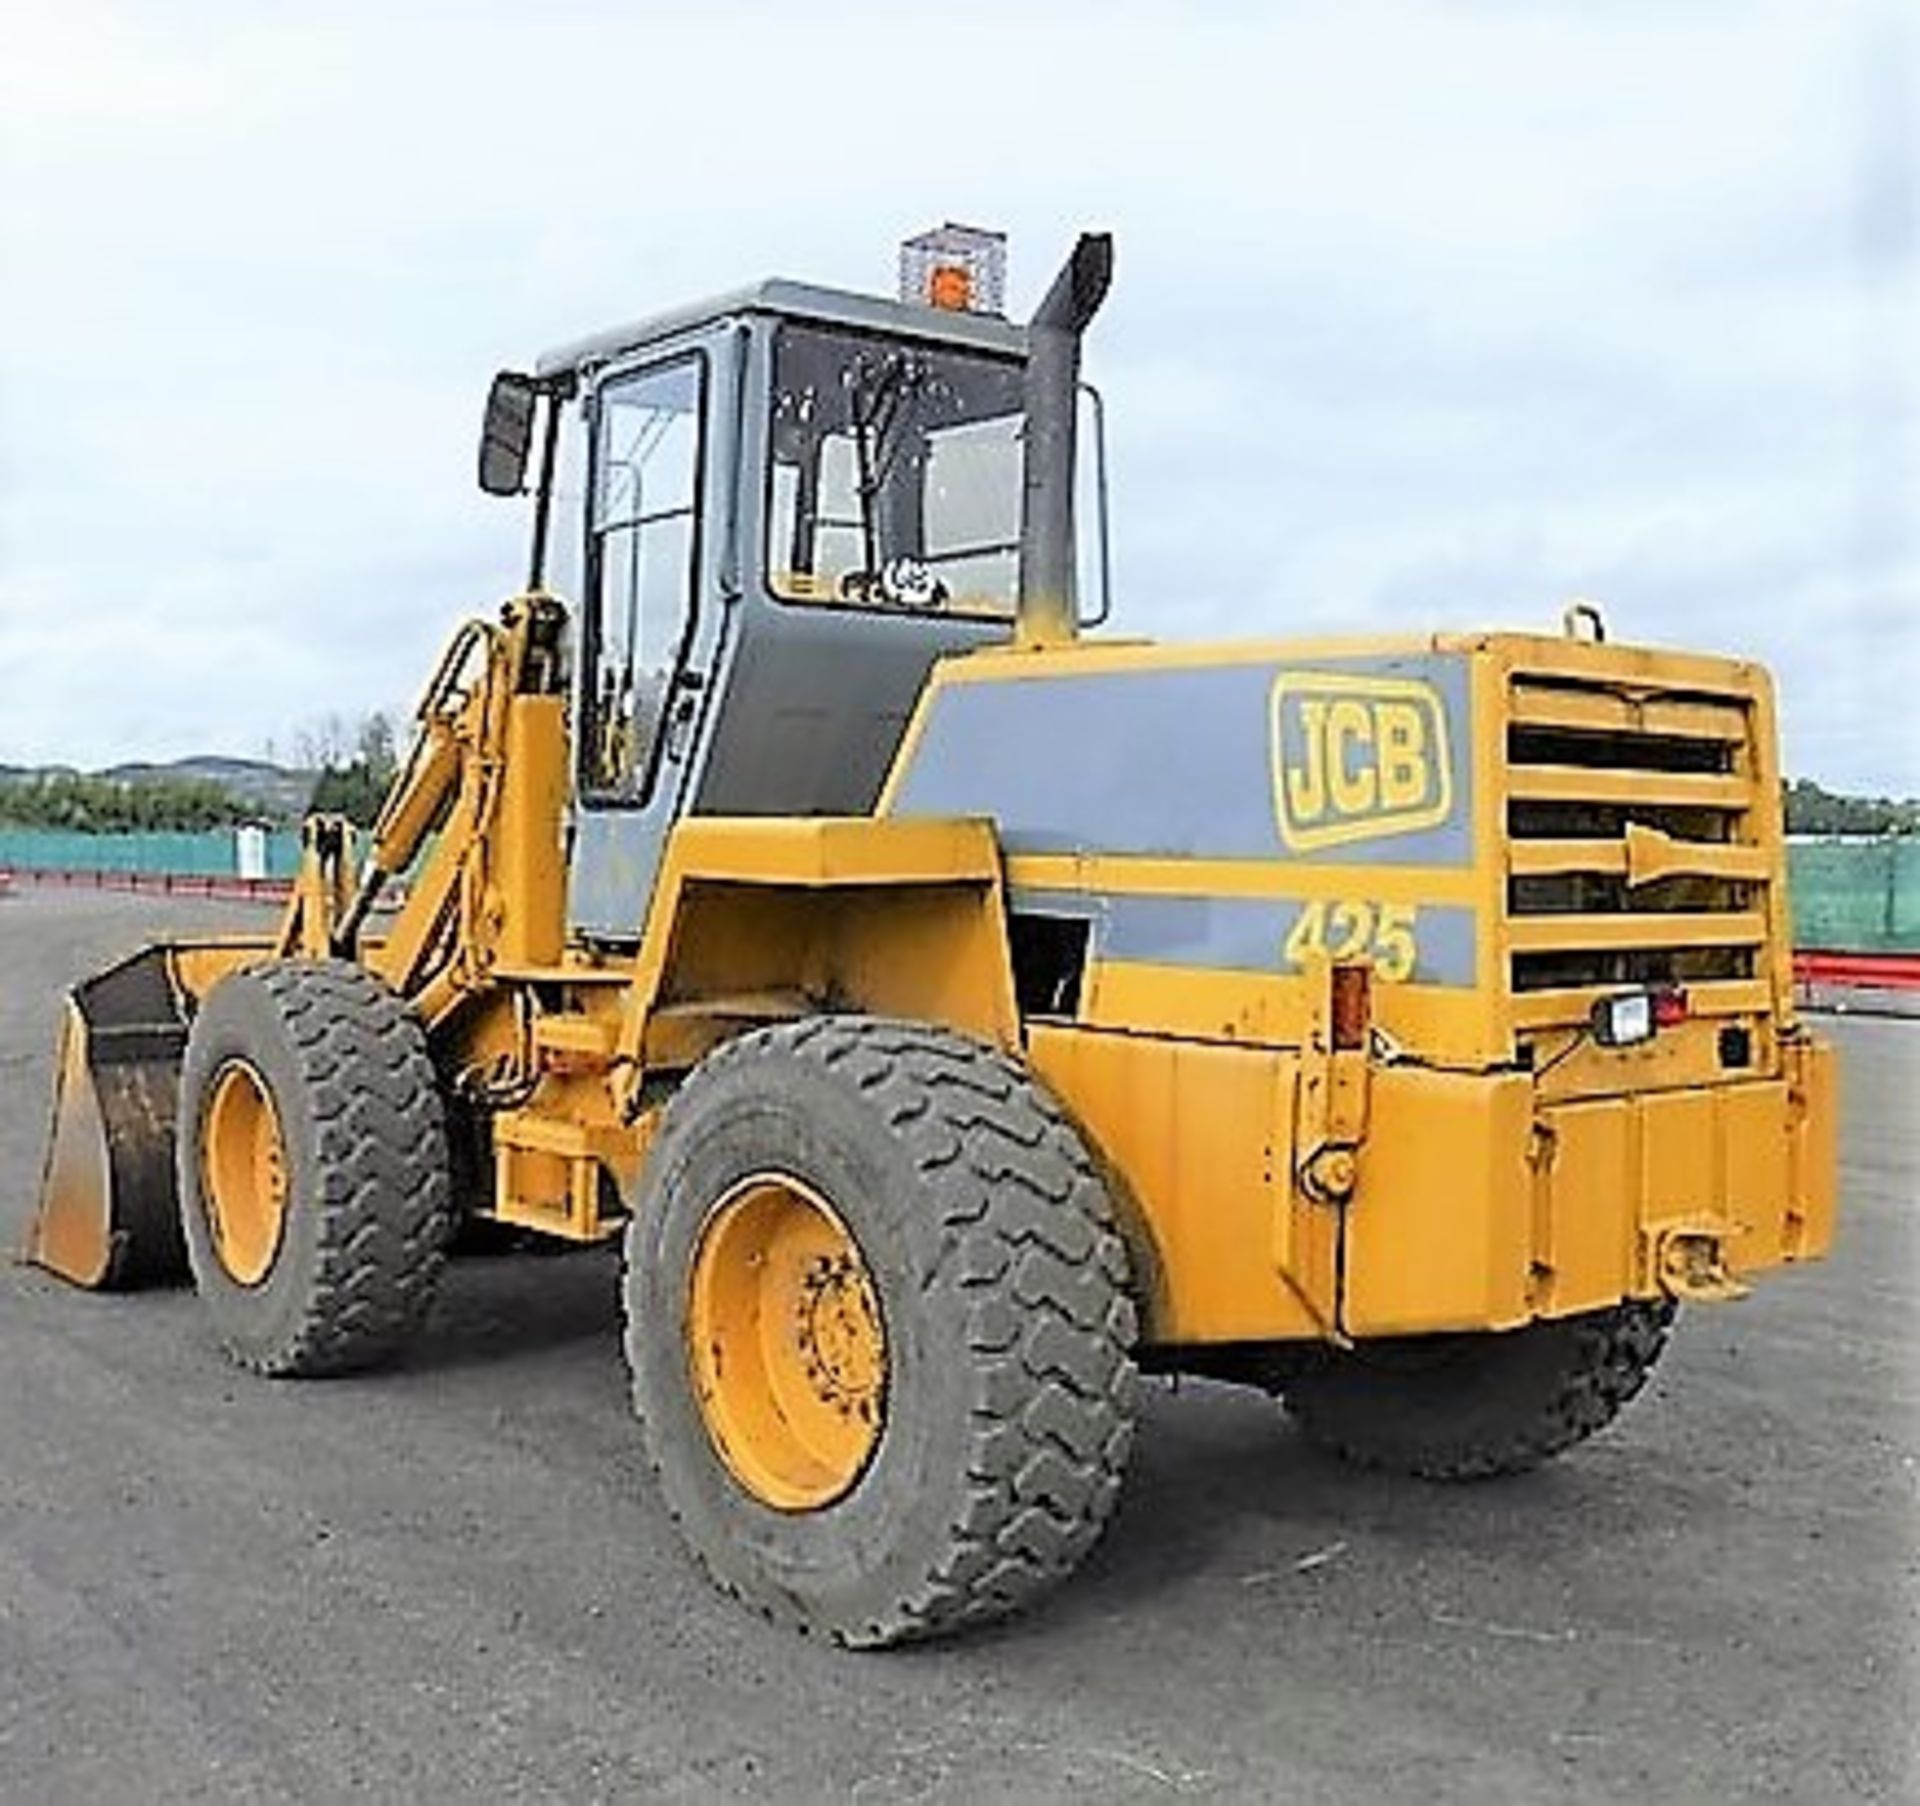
(1049, 608)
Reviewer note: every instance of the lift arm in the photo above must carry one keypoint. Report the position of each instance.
(475, 815)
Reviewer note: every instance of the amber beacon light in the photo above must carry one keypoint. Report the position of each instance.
(959, 269)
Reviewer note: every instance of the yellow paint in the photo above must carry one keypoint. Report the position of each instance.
(1335, 1090)
(1744, 928)
(786, 1344)
(1574, 1065)
(1813, 1125)
(243, 1173)
(322, 887)
(527, 873)
(1677, 789)
(1473, 1207)
(1199, 1141)
(895, 918)
(480, 806)
(1702, 673)
(1479, 1163)
(1439, 1229)
(1146, 876)
(1641, 857)
(71, 1232)
(409, 818)
(197, 966)
(1538, 705)
(1584, 1178)
(548, 1167)
(1761, 768)
(830, 851)
(1754, 1132)
(1206, 1004)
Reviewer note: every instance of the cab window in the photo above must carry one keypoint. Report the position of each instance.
(894, 473)
(642, 546)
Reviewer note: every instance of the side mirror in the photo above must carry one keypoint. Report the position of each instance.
(507, 433)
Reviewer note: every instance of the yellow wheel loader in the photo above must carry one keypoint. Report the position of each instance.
(957, 1014)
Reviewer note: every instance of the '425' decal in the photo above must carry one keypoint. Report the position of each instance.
(1384, 932)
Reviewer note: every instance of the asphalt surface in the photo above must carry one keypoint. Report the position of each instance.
(451, 1581)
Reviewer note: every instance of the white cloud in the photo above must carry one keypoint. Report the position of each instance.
(1426, 315)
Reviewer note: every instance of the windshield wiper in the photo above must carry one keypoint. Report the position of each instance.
(878, 410)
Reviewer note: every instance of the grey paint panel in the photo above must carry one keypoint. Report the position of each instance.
(810, 702)
(1241, 934)
(803, 707)
(1173, 762)
(814, 705)
(616, 856)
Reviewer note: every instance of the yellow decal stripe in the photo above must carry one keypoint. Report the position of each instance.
(1151, 877)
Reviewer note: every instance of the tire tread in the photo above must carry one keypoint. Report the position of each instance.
(382, 1213)
(1027, 1247)
(1583, 1371)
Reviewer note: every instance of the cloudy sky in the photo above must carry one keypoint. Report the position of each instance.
(1426, 315)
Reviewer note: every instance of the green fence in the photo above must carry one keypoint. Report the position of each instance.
(1856, 896)
(206, 855)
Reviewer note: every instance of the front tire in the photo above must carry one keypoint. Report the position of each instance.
(312, 1167)
(879, 1329)
(1471, 1407)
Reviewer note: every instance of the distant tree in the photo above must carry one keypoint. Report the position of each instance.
(321, 744)
(375, 743)
(97, 805)
(1812, 809)
(357, 787)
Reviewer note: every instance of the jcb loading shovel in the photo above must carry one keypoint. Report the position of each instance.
(109, 1216)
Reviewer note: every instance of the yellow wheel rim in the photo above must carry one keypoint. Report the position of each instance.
(785, 1343)
(243, 1163)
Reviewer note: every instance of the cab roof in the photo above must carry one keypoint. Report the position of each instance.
(795, 300)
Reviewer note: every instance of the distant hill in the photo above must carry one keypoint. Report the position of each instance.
(186, 792)
(272, 789)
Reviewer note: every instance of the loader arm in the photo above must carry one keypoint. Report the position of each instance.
(474, 817)
(474, 804)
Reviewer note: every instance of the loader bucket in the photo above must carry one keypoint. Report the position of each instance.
(109, 1215)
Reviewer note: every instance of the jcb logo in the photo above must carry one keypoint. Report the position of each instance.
(1357, 757)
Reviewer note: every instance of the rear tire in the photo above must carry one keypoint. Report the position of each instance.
(983, 1279)
(310, 1116)
(1470, 1407)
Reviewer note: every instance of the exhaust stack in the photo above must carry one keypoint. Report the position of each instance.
(1049, 613)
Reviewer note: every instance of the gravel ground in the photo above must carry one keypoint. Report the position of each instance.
(451, 1580)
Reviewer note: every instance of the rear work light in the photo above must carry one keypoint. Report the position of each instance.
(1630, 1017)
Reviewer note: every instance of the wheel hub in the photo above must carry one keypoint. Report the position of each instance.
(243, 1160)
(785, 1344)
(838, 1329)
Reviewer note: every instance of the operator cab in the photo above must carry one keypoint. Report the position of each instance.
(772, 512)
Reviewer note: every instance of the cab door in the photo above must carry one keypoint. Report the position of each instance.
(648, 623)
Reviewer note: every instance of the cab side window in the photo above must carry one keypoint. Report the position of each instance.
(643, 544)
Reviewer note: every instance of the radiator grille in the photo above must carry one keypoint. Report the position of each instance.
(1634, 850)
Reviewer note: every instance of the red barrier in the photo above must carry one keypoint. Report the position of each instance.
(218, 887)
(1865, 971)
